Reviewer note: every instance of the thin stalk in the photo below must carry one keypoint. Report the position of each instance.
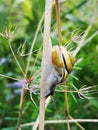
(37, 120)
(42, 113)
(34, 40)
(62, 121)
(34, 126)
(60, 43)
(77, 6)
(23, 89)
(66, 103)
(35, 62)
(82, 40)
(5, 76)
(16, 58)
(35, 74)
(90, 38)
(76, 122)
(21, 107)
(58, 21)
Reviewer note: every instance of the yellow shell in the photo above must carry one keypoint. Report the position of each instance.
(58, 52)
(65, 76)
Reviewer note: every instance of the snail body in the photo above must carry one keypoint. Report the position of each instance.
(50, 82)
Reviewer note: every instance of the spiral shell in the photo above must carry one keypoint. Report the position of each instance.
(63, 59)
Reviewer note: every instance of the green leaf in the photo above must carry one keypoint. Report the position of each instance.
(9, 128)
(77, 68)
(94, 103)
(10, 118)
(74, 77)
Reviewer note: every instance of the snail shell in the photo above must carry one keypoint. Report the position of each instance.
(61, 58)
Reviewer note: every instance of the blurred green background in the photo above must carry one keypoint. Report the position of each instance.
(22, 17)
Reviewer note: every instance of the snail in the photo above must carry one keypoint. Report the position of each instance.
(63, 61)
(61, 66)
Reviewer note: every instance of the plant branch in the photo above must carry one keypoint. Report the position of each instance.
(5, 76)
(16, 58)
(58, 21)
(31, 76)
(37, 120)
(77, 123)
(46, 60)
(32, 46)
(66, 107)
(82, 40)
(21, 107)
(62, 121)
(42, 113)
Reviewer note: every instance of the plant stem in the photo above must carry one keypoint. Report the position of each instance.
(62, 121)
(37, 120)
(58, 21)
(46, 60)
(77, 123)
(82, 40)
(8, 38)
(9, 77)
(31, 76)
(32, 46)
(16, 59)
(21, 107)
(42, 113)
(60, 43)
(66, 105)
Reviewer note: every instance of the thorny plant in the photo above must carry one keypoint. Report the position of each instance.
(25, 81)
(83, 92)
(86, 92)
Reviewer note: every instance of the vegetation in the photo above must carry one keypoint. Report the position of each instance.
(21, 37)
